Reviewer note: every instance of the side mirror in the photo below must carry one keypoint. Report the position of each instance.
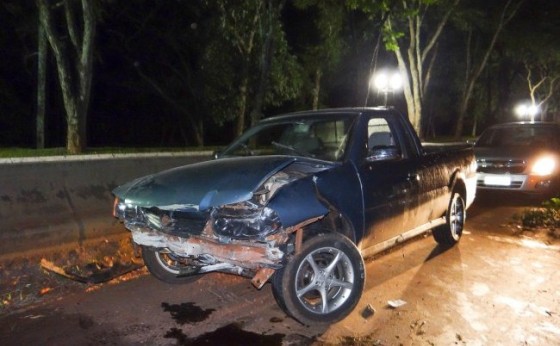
(216, 154)
(378, 154)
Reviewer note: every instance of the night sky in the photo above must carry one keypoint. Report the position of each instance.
(126, 111)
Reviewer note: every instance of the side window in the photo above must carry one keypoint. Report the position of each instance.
(381, 141)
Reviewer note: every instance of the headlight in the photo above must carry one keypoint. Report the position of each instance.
(119, 208)
(544, 166)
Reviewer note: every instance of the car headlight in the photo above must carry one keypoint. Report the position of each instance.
(119, 208)
(544, 166)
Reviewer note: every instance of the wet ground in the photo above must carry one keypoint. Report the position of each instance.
(498, 286)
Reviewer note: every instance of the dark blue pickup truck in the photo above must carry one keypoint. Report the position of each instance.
(299, 200)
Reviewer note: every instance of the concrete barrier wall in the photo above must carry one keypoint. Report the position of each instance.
(46, 202)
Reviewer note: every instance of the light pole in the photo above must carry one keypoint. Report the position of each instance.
(527, 110)
(386, 82)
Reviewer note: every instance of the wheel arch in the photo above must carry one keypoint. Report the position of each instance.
(333, 222)
(457, 184)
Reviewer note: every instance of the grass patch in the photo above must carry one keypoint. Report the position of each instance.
(26, 152)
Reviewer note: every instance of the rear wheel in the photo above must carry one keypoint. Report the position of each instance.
(450, 233)
(168, 267)
(323, 283)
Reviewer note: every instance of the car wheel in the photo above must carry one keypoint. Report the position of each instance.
(450, 233)
(323, 283)
(168, 267)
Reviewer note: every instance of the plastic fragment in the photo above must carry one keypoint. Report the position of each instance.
(396, 303)
(368, 311)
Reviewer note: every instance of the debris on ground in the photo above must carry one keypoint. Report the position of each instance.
(397, 303)
(368, 311)
(30, 279)
(93, 272)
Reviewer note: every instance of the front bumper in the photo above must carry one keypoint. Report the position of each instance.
(516, 182)
(243, 254)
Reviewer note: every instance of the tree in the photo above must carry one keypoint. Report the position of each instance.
(417, 60)
(270, 24)
(411, 30)
(477, 61)
(324, 46)
(542, 82)
(251, 63)
(537, 56)
(72, 44)
(240, 23)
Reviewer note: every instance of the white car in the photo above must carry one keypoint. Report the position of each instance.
(522, 156)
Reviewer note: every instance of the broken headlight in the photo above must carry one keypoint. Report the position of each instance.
(121, 209)
(245, 220)
(252, 218)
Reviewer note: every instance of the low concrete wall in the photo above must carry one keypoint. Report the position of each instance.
(46, 202)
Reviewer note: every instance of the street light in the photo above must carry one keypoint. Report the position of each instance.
(386, 82)
(527, 110)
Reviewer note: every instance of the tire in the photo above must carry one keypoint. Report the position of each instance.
(167, 267)
(450, 233)
(323, 283)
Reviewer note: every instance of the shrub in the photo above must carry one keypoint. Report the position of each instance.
(548, 216)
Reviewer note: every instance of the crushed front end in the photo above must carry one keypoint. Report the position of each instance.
(243, 237)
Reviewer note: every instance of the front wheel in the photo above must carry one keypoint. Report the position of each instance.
(168, 267)
(450, 233)
(323, 283)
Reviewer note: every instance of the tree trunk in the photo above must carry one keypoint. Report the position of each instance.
(85, 70)
(73, 140)
(240, 126)
(317, 88)
(74, 66)
(41, 86)
(199, 135)
(412, 68)
(266, 60)
(413, 108)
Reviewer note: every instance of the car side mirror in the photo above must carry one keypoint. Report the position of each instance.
(379, 154)
(216, 154)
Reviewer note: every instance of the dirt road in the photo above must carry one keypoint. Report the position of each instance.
(493, 288)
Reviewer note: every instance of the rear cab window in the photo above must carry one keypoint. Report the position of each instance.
(382, 141)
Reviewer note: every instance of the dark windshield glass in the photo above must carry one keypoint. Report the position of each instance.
(520, 136)
(319, 137)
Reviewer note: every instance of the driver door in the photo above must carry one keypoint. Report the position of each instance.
(388, 183)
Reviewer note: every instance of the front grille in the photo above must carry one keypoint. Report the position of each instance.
(513, 185)
(180, 223)
(501, 166)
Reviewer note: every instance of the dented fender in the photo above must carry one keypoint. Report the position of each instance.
(297, 202)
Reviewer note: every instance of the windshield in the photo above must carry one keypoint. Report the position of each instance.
(318, 137)
(520, 136)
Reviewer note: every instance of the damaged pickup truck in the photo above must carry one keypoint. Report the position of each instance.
(299, 200)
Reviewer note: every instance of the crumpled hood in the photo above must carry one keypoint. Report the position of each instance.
(202, 185)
